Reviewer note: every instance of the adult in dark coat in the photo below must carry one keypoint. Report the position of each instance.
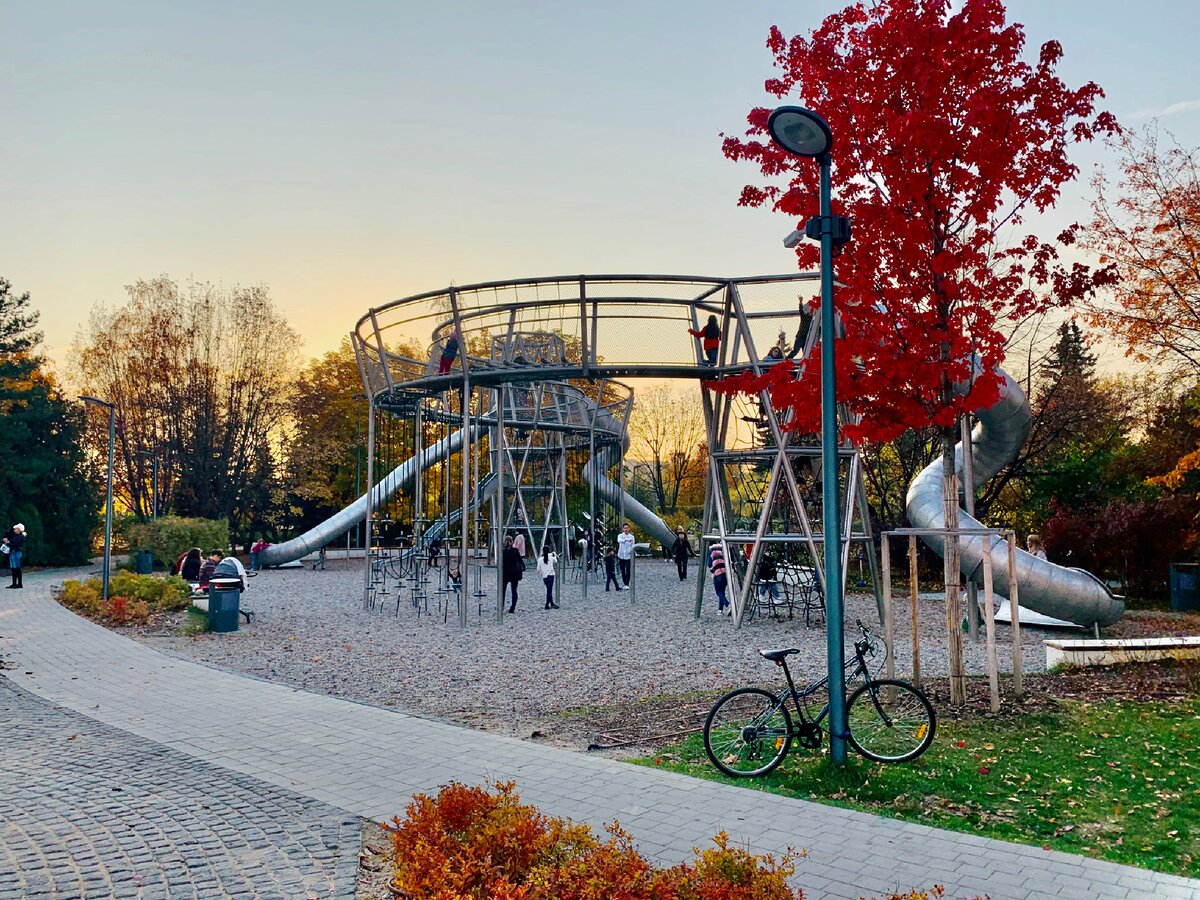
(680, 551)
(16, 551)
(512, 569)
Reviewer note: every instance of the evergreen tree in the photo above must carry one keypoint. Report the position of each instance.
(43, 480)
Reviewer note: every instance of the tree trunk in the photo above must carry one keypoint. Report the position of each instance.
(954, 635)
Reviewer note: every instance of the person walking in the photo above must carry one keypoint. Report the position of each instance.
(710, 340)
(680, 551)
(512, 569)
(16, 553)
(625, 555)
(610, 570)
(545, 567)
(716, 565)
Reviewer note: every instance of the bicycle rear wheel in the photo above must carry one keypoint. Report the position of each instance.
(890, 721)
(748, 732)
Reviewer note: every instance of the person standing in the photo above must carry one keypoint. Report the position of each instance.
(16, 552)
(610, 570)
(512, 569)
(767, 579)
(625, 555)
(449, 354)
(681, 550)
(716, 565)
(519, 546)
(710, 340)
(545, 567)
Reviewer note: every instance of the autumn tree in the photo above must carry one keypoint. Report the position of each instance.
(200, 374)
(1147, 226)
(44, 481)
(945, 141)
(669, 436)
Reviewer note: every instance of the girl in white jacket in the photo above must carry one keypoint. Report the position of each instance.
(545, 567)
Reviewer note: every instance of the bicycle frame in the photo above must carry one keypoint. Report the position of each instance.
(855, 668)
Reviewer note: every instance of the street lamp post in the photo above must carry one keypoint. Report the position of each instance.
(108, 503)
(803, 133)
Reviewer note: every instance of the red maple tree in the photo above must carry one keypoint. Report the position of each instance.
(944, 140)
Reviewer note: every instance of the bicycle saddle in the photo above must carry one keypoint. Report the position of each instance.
(778, 655)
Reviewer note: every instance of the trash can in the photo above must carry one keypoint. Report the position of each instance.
(1185, 586)
(224, 601)
(143, 562)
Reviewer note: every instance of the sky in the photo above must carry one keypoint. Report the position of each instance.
(347, 154)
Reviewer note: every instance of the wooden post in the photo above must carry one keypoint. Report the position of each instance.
(1014, 605)
(916, 611)
(886, 564)
(989, 617)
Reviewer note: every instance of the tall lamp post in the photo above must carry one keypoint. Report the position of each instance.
(108, 503)
(153, 455)
(802, 132)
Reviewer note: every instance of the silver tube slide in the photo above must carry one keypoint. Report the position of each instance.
(1064, 593)
(339, 523)
(635, 512)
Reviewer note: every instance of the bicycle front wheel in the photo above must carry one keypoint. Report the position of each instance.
(748, 732)
(890, 721)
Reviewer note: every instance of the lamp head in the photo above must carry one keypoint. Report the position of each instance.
(800, 131)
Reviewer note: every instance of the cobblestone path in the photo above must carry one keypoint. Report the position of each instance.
(88, 811)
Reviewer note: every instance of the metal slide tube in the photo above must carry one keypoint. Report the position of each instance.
(316, 538)
(1065, 593)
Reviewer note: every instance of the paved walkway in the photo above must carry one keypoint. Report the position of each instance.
(87, 810)
(369, 761)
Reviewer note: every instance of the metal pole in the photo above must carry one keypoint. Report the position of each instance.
(108, 503)
(969, 506)
(370, 498)
(829, 481)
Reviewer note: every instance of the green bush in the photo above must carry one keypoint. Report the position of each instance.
(168, 536)
(132, 598)
(159, 593)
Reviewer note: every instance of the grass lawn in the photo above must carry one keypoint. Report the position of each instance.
(1115, 779)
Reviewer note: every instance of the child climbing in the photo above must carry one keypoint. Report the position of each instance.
(710, 340)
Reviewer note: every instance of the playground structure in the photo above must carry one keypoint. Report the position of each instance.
(541, 376)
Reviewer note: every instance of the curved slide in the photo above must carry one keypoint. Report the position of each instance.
(1064, 593)
(339, 523)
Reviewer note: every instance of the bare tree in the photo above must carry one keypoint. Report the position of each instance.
(200, 375)
(669, 435)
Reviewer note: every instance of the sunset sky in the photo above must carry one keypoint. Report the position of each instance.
(350, 153)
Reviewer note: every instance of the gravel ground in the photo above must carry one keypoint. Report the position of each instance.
(311, 631)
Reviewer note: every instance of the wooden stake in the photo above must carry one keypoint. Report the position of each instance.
(1013, 606)
(989, 617)
(916, 613)
(886, 564)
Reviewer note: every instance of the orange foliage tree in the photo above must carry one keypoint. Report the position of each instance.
(1149, 230)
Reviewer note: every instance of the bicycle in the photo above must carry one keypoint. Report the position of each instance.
(750, 730)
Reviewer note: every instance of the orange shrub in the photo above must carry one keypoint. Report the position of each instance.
(471, 843)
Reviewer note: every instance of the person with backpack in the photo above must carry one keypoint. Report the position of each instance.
(710, 340)
(716, 565)
(545, 567)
